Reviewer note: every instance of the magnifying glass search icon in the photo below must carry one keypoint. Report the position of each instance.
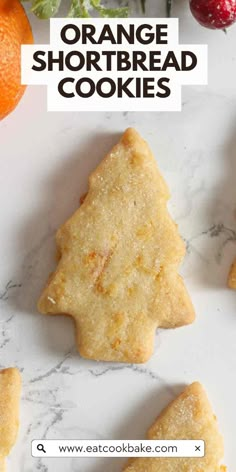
(40, 448)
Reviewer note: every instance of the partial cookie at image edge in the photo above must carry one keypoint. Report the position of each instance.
(10, 389)
(189, 416)
(232, 276)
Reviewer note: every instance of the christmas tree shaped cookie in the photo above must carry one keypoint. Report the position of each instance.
(10, 386)
(232, 276)
(189, 416)
(119, 256)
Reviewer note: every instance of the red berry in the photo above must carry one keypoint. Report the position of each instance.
(215, 14)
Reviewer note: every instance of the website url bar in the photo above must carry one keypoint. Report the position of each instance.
(117, 448)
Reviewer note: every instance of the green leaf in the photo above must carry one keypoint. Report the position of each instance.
(109, 12)
(45, 8)
(168, 7)
(78, 9)
(143, 5)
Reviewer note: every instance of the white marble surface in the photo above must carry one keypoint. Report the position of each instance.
(45, 162)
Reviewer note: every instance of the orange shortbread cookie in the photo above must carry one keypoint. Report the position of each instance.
(120, 252)
(10, 387)
(232, 276)
(189, 416)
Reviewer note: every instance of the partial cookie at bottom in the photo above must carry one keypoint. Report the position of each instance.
(189, 416)
(10, 387)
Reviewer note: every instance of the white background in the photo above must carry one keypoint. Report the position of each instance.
(45, 162)
(56, 102)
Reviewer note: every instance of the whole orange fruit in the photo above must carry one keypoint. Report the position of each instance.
(14, 30)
